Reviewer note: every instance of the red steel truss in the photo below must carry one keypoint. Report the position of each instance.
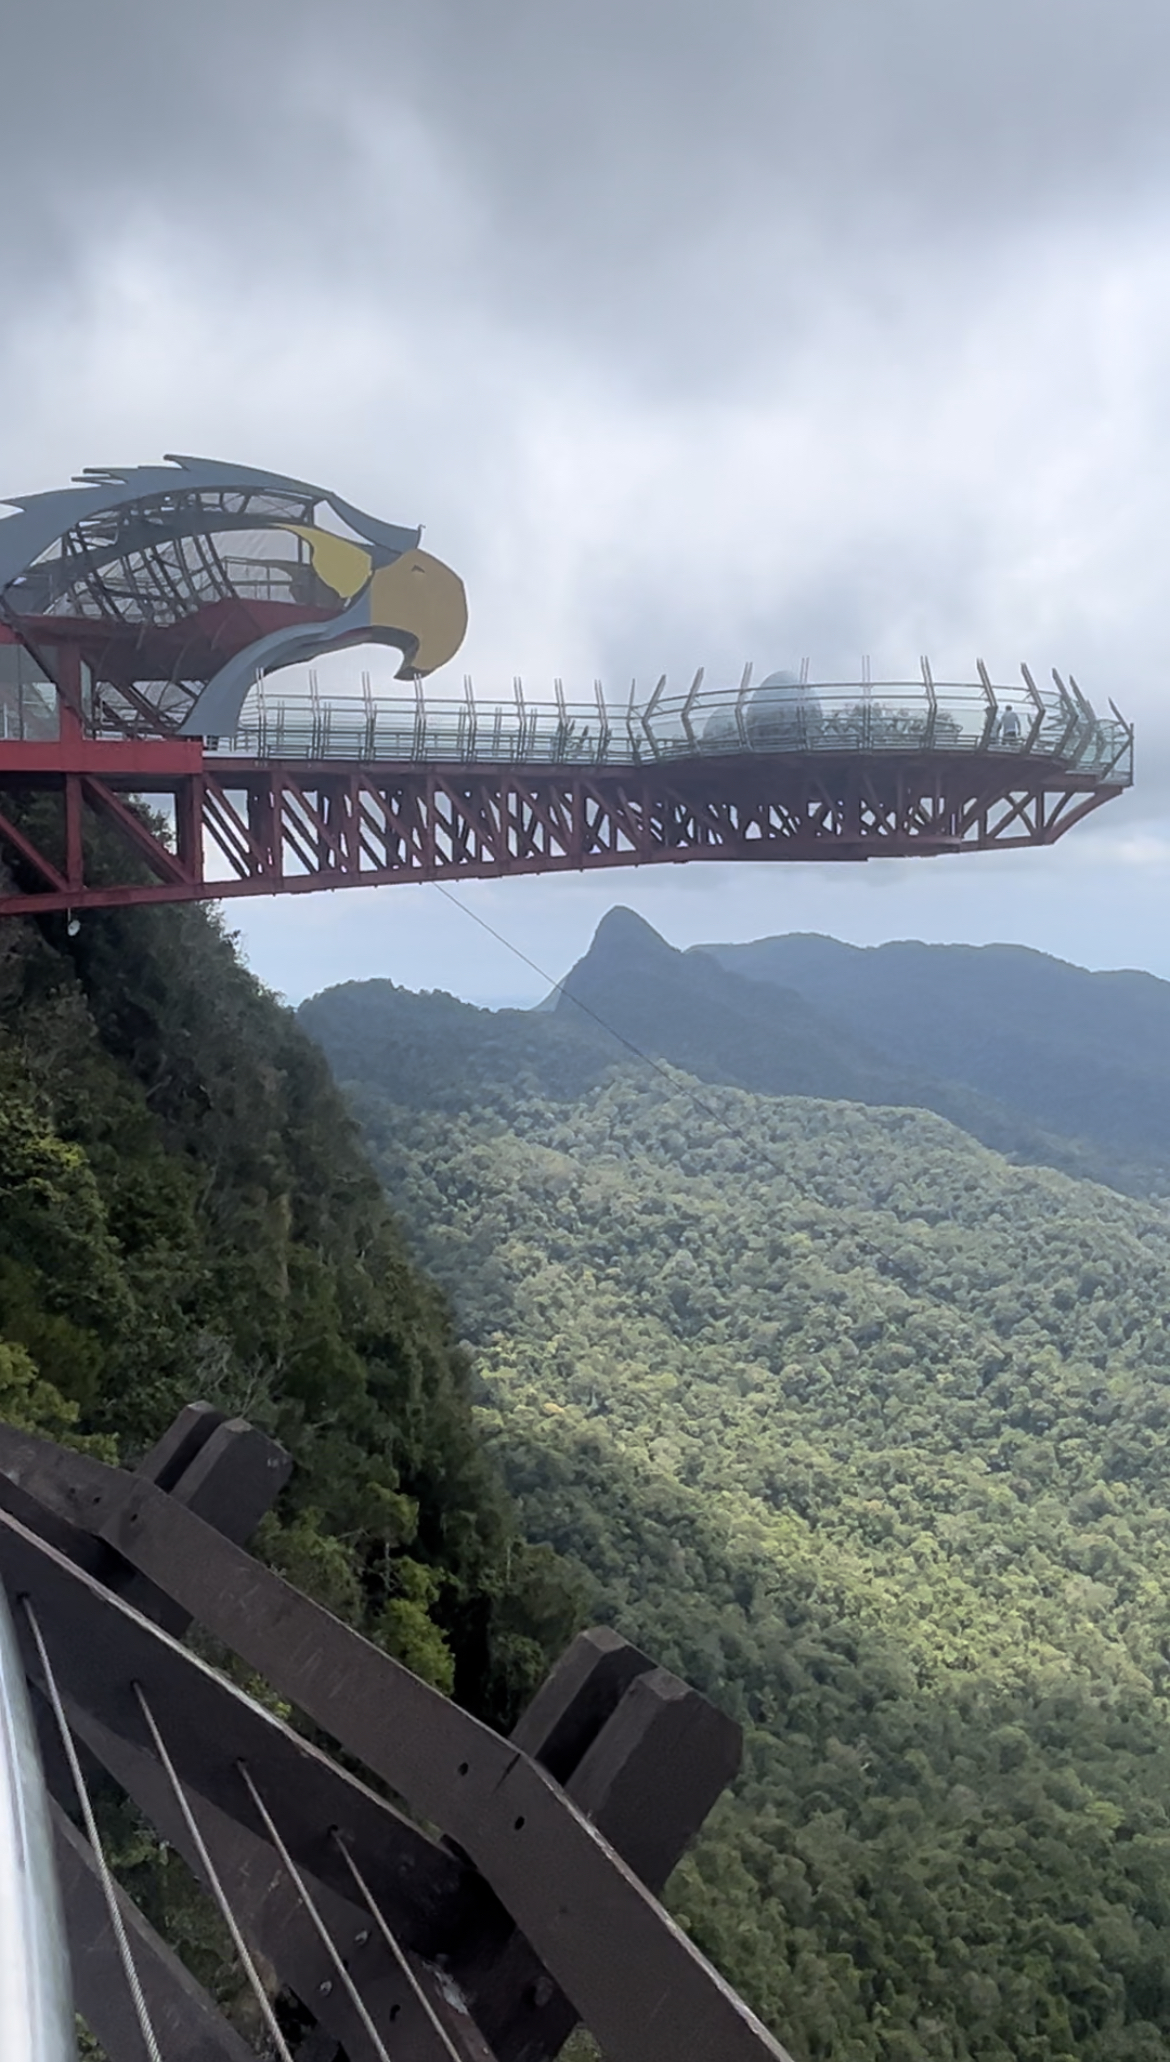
(92, 824)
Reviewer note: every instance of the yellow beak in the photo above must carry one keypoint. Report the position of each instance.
(342, 566)
(421, 597)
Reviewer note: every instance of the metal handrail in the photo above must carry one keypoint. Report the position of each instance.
(36, 2000)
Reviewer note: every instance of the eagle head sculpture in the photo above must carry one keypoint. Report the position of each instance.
(185, 582)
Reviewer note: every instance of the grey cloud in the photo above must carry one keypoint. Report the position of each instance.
(658, 117)
(670, 182)
(640, 205)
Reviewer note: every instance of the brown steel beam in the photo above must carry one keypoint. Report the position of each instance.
(643, 1756)
(648, 1759)
(103, 1646)
(640, 1986)
(229, 1473)
(222, 1468)
(100, 1650)
(270, 1912)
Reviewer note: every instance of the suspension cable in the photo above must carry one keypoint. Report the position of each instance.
(764, 1157)
(660, 1067)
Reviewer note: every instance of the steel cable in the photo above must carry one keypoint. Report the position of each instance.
(326, 1937)
(215, 1880)
(398, 1953)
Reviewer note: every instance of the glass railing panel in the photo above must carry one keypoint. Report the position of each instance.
(703, 722)
(28, 699)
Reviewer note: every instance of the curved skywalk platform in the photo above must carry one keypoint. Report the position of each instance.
(784, 715)
(164, 735)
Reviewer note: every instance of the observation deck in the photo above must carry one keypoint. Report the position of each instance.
(316, 790)
(164, 735)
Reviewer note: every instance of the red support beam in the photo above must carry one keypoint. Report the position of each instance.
(24, 848)
(250, 827)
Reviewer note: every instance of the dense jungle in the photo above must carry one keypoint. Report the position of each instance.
(816, 1363)
(186, 1213)
(859, 1424)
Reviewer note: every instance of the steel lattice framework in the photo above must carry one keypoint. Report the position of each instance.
(246, 829)
(144, 615)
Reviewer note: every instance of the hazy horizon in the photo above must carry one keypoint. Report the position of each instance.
(531, 996)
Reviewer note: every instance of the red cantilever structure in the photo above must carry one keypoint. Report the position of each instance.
(145, 616)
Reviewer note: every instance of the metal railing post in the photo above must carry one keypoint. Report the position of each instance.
(36, 1997)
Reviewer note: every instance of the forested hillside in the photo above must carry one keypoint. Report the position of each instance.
(857, 1424)
(1043, 1061)
(186, 1212)
(867, 1431)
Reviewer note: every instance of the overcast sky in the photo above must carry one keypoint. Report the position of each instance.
(757, 329)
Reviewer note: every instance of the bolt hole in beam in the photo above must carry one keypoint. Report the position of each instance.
(395, 1947)
(309, 1904)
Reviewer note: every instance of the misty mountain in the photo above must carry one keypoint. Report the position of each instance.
(1035, 1058)
(1039, 1060)
(1083, 1055)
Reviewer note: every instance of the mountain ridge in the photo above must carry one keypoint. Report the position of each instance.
(722, 1014)
(1081, 1054)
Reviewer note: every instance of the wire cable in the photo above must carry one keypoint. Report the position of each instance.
(105, 1877)
(657, 1066)
(398, 1953)
(326, 1937)
(213, 1876)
